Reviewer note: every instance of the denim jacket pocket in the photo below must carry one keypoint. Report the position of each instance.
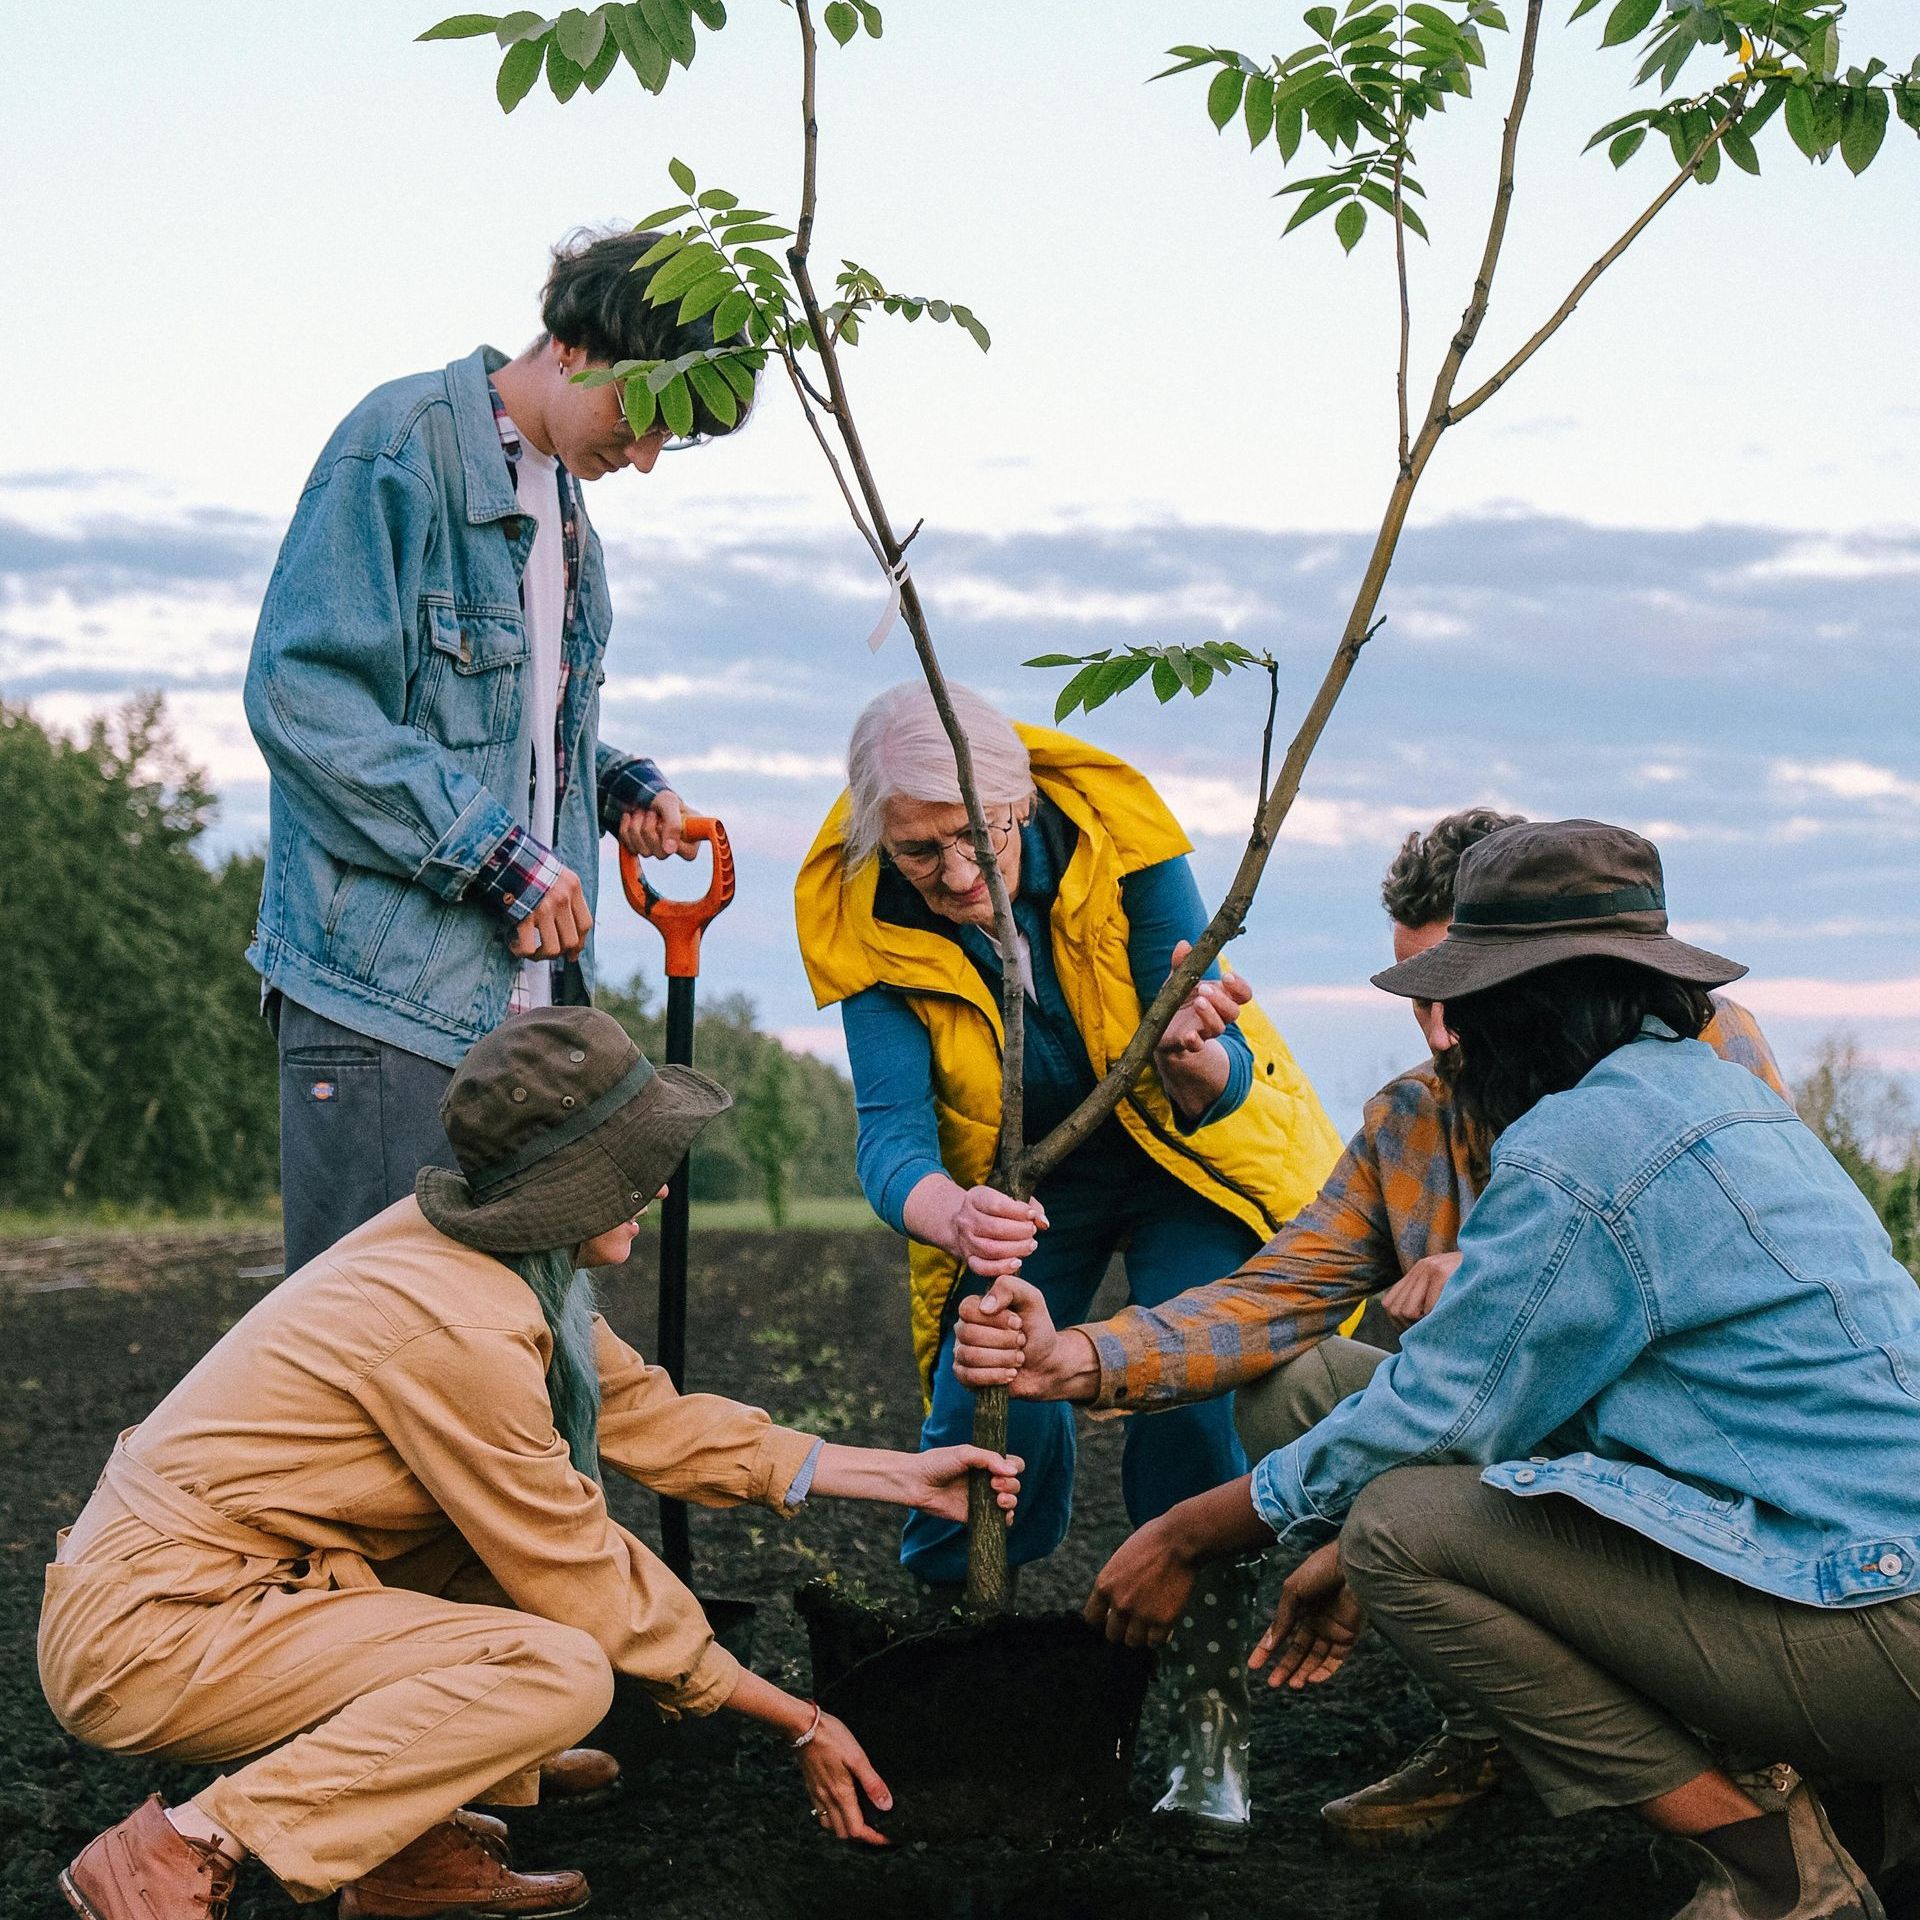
(468, 690)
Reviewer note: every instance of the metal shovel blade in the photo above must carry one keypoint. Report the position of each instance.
(1022, 1727)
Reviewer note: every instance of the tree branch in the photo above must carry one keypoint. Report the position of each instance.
(1564, 311)
(986, 1535)
(1118, 1080)
(1406, 304)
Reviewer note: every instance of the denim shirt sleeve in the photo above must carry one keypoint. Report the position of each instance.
(326, 687)
(1543, 1311)
(892, 1062)
(1163, 907)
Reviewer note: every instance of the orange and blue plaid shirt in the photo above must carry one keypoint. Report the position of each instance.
(1398, 1194)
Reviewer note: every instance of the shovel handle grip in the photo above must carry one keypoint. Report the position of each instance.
(682, 922)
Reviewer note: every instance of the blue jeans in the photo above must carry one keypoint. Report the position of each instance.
(1110, 1196)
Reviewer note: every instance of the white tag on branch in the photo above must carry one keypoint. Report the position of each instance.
(897, 577)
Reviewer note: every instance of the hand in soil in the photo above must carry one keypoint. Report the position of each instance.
(1315, 1625)
(942, 1476)
(837, 1773)
(1144, 1588)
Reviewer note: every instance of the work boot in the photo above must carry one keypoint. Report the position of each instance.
(142, 1869)
(1420, 1798)
(580, 1777)
(1209, 1798)
(1787, 1865)
(492, 1833)
(453, 1869)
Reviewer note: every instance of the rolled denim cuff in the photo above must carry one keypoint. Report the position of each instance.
(465, 849)
(629, 785)
(516, 875)
(1282, 1501)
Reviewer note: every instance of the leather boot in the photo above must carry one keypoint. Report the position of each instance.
(1420, 1799)
(1828, 1883)
(143, 1868)
(580, 1777)
(1209, 1796)
(453, 1869)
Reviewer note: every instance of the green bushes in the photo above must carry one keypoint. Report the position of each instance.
(136, 1068)
(1868, 1123)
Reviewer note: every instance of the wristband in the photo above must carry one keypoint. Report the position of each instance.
(806, 1739)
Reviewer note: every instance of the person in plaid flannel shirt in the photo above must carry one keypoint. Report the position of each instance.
(425, 689)
(1382, 1232)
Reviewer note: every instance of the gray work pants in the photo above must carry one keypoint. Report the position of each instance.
(358, 1120)
(1602, 1657)
(1281, 1407)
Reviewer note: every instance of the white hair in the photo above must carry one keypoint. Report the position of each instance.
(900, 749)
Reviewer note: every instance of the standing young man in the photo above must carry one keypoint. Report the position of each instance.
(424, 687)
(1386, 1225)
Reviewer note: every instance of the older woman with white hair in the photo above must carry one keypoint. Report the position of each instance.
(1220, 1140)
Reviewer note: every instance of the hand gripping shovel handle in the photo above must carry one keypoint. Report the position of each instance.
(681, 923)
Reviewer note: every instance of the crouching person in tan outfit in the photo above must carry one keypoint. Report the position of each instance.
(363, 1546)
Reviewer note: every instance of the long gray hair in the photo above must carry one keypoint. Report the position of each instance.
(573, 1376)
(899, 748)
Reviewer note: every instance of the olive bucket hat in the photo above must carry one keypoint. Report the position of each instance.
(1544, 891)
(563, 1129)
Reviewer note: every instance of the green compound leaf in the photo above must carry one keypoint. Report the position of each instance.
(642, 52)
(870, 16)
(461, 26)
(1257, 108)
(1627, 21)
(638, 404)
(518, 71)
(580, 36)
(682, 177)
(712, 13)
(731, 315)
(719, 397)
(842, 22)
(604, 63)
(520, 26)
(1865, 128)
(563, 77)
(1223, 96)
(672, 25)
(661, 215)
(1076, 689)
(676, 407)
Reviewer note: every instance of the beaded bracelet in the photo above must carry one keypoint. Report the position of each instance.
(806, 1738)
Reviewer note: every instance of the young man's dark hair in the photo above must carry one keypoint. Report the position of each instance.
(596, 299)
(1546, 1031)
(1418, 889)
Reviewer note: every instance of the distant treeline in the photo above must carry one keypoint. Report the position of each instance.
(135, 1069)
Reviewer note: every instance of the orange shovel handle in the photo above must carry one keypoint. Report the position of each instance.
(682, 922)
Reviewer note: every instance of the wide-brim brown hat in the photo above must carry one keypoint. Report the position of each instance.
(563, 1129)
(1544, 891)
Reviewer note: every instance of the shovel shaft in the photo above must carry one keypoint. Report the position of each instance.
(671, 1342)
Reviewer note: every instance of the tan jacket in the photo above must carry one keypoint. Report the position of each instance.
(389, 1398)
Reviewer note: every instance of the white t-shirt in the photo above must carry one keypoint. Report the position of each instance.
(543, 592)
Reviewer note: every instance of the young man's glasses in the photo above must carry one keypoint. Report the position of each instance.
(922, 859)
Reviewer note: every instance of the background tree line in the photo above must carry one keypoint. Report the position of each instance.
(135, 1068)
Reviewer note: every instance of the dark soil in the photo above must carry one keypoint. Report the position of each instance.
(813, 1326)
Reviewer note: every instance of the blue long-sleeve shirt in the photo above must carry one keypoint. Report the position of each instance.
(892, 1058)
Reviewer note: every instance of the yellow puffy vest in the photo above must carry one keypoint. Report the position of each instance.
(1262, 1164)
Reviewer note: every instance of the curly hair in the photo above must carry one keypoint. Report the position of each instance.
(1418, 888)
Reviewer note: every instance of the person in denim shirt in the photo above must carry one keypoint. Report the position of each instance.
(1649, 1472)
(425, 689)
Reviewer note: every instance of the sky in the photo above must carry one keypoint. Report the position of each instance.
(1668, 577)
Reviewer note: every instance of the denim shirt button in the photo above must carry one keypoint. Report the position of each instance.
(1525, 1477)
(1891, 1565)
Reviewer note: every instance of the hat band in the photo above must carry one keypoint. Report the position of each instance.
(551, 1139)
(1558, 906)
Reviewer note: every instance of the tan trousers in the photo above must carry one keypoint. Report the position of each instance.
(377, 1709)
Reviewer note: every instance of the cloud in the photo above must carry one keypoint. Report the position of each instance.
(762, 764)
(1846, 780)
(1210, 807)
(1811, 999)
(1830, 557)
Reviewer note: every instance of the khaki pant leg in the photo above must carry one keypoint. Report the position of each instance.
(400, 1706)
(1597, 1652)
(1280, 1407)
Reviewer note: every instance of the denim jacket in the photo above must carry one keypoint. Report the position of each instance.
(1673, 1306)
(385, 689)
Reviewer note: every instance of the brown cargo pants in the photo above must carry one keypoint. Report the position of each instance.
(377, 1709)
